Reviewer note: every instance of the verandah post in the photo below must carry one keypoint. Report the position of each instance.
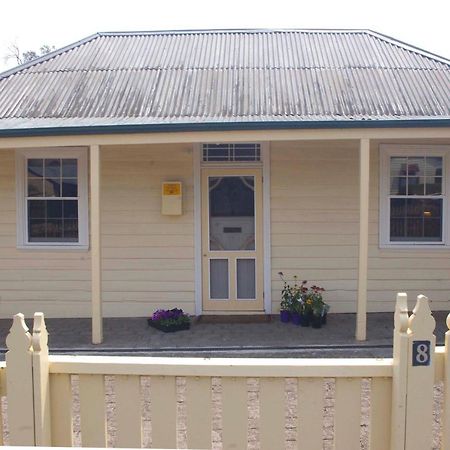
(41, 381)
(400, 372)
(446, 408)
(420, 380)
(19, 384)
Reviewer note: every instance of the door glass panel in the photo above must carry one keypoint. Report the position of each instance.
(246, 279)
(218, 278)
(231, 213)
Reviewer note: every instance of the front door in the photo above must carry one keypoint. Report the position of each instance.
(232, 240)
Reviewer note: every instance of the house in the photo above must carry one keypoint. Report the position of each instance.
(187, 168)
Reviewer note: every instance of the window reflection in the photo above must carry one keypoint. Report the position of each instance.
(232, 213)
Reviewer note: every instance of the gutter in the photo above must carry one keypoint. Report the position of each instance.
(221, 126)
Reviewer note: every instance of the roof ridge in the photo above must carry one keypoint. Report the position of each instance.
(233, 30)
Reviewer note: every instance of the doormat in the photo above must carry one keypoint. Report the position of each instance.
(242, 318)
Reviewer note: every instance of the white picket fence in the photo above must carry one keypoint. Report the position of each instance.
(64, 400)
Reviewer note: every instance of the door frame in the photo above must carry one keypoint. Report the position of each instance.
(197, 166)
(233, 304)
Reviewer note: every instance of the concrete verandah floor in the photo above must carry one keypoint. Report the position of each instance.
(128, 336)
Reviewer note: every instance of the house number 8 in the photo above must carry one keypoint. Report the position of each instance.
(421, 353)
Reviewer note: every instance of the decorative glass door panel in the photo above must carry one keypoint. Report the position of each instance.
(232, 244)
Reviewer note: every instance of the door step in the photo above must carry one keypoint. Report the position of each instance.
(235, 318)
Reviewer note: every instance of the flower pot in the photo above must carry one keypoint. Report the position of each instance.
(169, 328)
(324, 319)
(296, 318)
(316, 321)
(305, 320)
(285, 316)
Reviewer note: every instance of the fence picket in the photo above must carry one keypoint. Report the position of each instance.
(446, 408)
(92, 411)
(272, 413)
(61, 410)
(347, 414)
(19, 384)
(198, 410)
(2, 394)
(234, 413)
(380, 413)
(164, 412)
(419, 406)
(310, 413)
(128, 407)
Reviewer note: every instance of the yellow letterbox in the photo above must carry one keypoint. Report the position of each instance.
(171, 204)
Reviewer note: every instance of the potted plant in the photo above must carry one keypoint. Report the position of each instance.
(319, 308)
(170, 320)
(291, 301)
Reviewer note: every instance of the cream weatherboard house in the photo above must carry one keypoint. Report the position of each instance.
(186, 169)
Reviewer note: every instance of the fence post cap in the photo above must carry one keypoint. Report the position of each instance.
(401, 316)
(40, 334)
(18, 337)
(421, 319)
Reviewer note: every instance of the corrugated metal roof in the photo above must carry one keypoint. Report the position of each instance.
(226, 76)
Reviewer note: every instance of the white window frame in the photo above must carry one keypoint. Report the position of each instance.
(386, 152)
(21, 191)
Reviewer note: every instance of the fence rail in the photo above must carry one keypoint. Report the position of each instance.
(201, 403)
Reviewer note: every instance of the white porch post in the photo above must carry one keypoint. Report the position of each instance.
(364, 169)
(96, 252)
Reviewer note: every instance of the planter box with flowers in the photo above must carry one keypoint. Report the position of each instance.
(170, 320)
(302, 305)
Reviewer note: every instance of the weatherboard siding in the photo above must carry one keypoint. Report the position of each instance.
(315, 226)
(148, 259)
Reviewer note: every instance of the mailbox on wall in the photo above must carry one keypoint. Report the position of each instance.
(171, 204)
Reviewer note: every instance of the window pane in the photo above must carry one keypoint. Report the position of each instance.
(218, 273)
(433, 186)
(398, 185)
(52, 187)
(69, 168)
(421, 221)
(398, 207)
(433, 166)
(433, 229)
(246, 279)
(70, 209)
(414, 207)
(36, 230)
(52, 168)
(414, 229)
(54, 209)
(70, 230)
(37, 209)
(54, 229)
(69, 187)
(398, 166)
(416, 167)
(416, 185)
(35, 167)
(35, 187)
(398, 229)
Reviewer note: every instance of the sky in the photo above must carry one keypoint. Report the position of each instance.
(28, 24)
